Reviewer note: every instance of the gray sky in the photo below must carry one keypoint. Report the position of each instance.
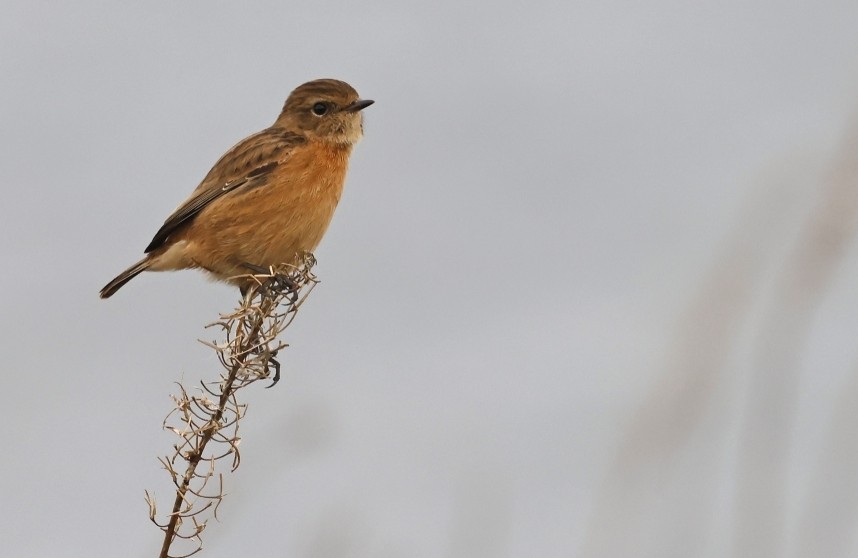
(561, 311)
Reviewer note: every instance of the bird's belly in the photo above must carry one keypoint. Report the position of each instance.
(265, 227)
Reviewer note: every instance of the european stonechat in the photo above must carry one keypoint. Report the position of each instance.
(268, 199)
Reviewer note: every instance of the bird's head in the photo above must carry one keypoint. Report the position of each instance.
(326, 110)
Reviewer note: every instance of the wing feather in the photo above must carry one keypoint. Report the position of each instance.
(247, 165)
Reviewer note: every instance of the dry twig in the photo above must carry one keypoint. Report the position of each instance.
(207, 422)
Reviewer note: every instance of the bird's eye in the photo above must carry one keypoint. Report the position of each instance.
(319, 109)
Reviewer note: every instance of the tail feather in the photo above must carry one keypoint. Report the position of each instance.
(124, 277)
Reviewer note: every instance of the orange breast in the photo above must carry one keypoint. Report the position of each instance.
(270, 224)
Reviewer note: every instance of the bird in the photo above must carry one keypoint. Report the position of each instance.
(267, 200)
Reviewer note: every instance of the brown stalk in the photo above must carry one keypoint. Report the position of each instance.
(210, 420)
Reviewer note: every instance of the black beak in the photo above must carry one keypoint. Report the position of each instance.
(360, 104)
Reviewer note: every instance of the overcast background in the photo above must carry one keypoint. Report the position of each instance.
(590, 290)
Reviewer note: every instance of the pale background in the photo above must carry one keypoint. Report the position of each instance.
(590, 291)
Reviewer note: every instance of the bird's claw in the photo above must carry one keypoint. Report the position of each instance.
(273, 361)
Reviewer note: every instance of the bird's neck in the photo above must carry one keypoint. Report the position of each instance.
(332, 149)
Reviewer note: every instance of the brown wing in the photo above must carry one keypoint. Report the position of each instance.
(244, 166)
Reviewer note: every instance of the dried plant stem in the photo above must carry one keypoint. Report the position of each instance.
(247, 354)
(195, 455)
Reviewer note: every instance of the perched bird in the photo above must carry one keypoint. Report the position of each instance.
(268, 199)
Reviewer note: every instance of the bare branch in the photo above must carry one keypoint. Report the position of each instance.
(207, 424)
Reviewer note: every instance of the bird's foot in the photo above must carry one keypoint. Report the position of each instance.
(276, 364)
(274, 282)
